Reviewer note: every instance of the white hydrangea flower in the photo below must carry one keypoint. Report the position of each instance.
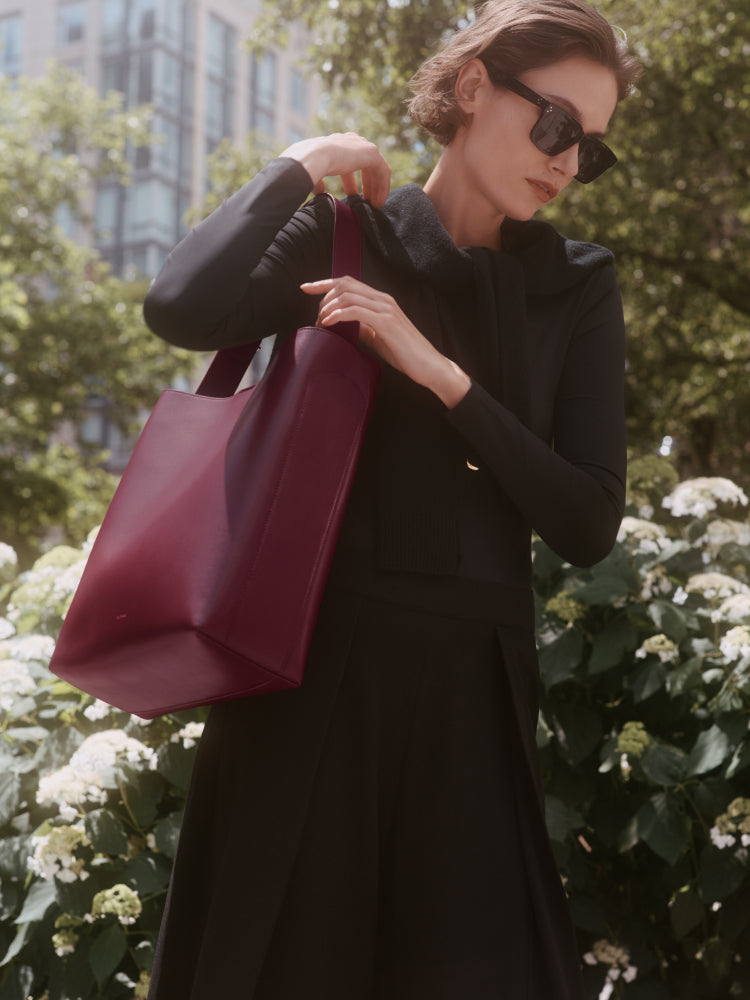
(7, 629)
(661, 645)
(715, 585)
(721, 840)
(189, 734)
(51, 582)
(680, 596)
(54, 854)
(15, 681)
(97, 711)
(70, 788)
(735, 608)
(722, 531)
(656, 582)
(84, 779)
(101, 751)
(32, 648)
(696, 497)
(736, 643)
(8, 563)
(651, 538)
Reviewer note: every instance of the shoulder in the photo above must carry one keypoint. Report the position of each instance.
(552, 262)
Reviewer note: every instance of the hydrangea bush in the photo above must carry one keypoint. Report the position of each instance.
(90, 806)
(645, 743)
(644, 740)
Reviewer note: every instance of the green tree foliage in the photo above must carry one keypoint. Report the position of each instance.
(644, 744)
(68, 328)
(675, 210)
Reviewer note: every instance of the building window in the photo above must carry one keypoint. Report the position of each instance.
(106, 215)
(71, 22)
(298, 93)
(113, 21)
(264, 79)
(263, 83)
(168, 88)
(166, 146)
(142, 19)
(11, 42)
(143, 71)
(113, 74)
(222, 48)
(150, 211)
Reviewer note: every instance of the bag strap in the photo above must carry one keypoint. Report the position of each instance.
(230, 364)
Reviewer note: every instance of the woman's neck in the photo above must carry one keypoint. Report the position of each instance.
(464, 216)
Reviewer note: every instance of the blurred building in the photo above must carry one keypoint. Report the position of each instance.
(186, 59)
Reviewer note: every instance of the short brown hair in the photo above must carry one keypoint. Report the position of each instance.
(511, 36)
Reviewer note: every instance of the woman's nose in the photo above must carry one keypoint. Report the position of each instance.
(567, 162)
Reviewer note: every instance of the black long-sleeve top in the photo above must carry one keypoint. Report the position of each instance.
(537, 442)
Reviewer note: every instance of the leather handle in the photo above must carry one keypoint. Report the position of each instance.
(230, 364)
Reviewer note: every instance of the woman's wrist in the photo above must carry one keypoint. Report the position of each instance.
(449, 382)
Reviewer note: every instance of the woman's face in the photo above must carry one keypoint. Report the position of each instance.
(503, 166)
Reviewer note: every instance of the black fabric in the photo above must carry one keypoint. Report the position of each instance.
(380, 831)
(237, 276)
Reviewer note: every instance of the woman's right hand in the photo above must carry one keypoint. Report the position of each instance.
(343, 154)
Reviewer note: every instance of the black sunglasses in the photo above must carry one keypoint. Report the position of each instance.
(556, 130)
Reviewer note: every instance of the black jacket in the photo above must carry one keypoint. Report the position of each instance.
(538, 326)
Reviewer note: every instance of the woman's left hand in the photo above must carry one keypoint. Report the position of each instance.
(390, 334)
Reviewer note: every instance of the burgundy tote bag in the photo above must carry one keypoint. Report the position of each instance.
(205, 580)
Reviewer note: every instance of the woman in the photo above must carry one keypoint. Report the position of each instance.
(379, 832)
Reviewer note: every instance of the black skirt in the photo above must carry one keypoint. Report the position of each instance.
(376, 834)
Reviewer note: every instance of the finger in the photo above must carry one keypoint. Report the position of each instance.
(349, 182)
(320, 187)
(334, 302)
(317, 287)
(376, 183)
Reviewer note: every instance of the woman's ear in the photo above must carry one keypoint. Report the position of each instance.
(471, 78)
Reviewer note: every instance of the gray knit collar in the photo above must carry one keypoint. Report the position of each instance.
(408, 231)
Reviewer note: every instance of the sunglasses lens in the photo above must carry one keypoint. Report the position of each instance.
(555, 131)
(593, 159)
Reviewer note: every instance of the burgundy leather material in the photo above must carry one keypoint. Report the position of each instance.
(206, 577)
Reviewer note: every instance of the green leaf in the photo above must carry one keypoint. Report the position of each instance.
(40, 897)
(167, 833)
(721, 873)
(107, 951)
(106, 832)
(22, 935)
(561, 818)
(686, 677)
(685, 911)
(147, 873)
(664, 826)
(663, 764)
(588, 914)
(144, 954)
(710, 750)
(649, 679)
(14, 857)
(740, 760)
(610, 646)
(578, 731)
(602, 590)
(143, 792)
(10, 796)
(559, 660)
(27, 734)
(176, 763)
(668, 619)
